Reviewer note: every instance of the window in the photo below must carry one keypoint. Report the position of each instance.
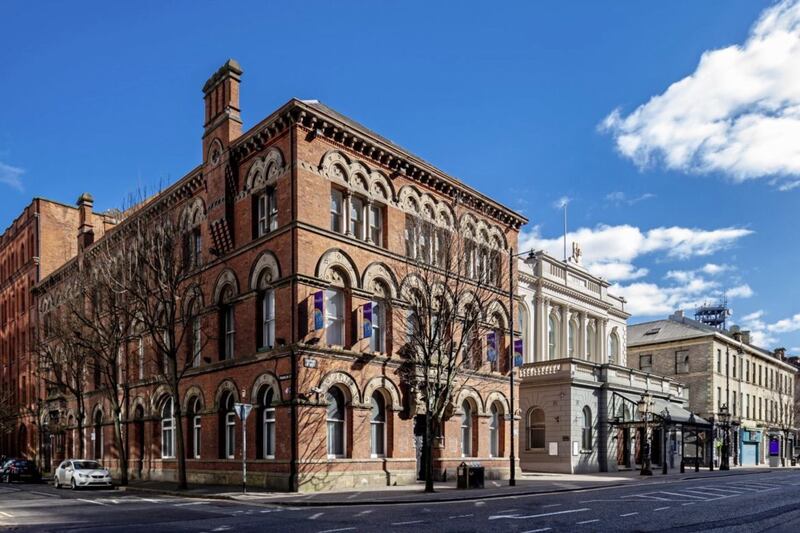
(552, 335)
(140, 356)
(196, 427)
(377, 340)
(536, 429)
(466, 429)
(334, 317)
(357, 217)
(646, 363)
(229, 418)
(682, 362)
(734, 366)
(747, 371)
(494, 431)
(336, 422)
(167, 430)
(719, 361)
(572, 328)
(719, 397)
(267, 205)
(268, 318)
(268, 423)
(613, 348)
(378, 425)
(586, 430)
(337, 211)
(591, 341)
(376, 225)
(228, 324)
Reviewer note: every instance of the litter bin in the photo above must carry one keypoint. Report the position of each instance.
(470, 476)
(476, 476)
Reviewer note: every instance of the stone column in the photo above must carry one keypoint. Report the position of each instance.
(582, 325)
(603, 348)
(564, 348)
(542, 311)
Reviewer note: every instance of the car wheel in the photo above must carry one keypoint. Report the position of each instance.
(73, 484)
(56, 484)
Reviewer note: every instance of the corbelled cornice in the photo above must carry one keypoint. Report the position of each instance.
(337, 130)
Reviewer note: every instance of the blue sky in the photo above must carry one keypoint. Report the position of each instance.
(683, 192)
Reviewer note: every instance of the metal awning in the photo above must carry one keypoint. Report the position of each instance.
(677, 414)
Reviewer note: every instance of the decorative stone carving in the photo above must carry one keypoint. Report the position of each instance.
(193, 392)
(265, 271)
(226, 386)
(193, 214)
(334, 266)
(355, 176)
(227, 277)
(265, 171)
(496, 396)
(378, 278)
(265, 379)
(344, 380)
(469, 392)
(386, 384)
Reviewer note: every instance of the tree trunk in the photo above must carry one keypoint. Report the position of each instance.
(81, 436)
(121, 447)
(427, 453)
(179, 441)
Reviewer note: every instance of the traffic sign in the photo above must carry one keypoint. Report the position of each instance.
(243, 410)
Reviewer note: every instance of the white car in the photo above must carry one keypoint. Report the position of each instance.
(76, 473)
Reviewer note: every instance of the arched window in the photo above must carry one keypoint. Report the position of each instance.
(572, 334)
(195, 428)
(494, 431)
(336, 422)
(267, 404)
(586, 429)
(552, 336)
(378, 425)
(536, 429)
(377, 339)
(522, 326)
(267, 313)
(334, 317)
(591, 340)
(98, 435)
(227, 323)
(613, 348)
(168, 430)
(228, 424)
(466, 429)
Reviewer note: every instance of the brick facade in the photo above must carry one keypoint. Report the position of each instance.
(299, 158)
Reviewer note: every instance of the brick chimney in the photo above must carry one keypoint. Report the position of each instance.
(222, 118)
(85, 227)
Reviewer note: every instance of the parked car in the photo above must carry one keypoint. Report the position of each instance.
(20, 470)
(77, 473)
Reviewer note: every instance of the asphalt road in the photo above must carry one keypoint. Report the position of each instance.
(755, 502)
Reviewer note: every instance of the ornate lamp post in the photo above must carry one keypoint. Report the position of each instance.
(643, 407)
(529, 260)
(725, 423)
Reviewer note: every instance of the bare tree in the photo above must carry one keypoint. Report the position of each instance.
(63, 363)
(450, 283)
(8, 414)
(160, 269)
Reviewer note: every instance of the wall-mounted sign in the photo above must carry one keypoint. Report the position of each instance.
(284, 376)
(367, 313)
(319, 305)
(518, 352)
(553, 448)
(491, 347)
(309, 362)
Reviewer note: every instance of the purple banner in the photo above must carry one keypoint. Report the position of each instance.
(518, 352)
(491, 347)
(367, 320)
(319, 306)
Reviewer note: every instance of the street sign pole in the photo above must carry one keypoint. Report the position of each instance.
(243, 410)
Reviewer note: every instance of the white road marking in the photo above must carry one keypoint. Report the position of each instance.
(8, 515)
(92, 501)
(722, 490)
(354, 495)
(661, 508)
(315, 516)
(479, 504)
(44, 494)
(368, 511)
(682, 495)
(407, 523)
(537, 530)
(515, 517)
(628, 514)
(551, 505)
(334, 530)
(690, 503)
(587, 521)
(507, 511)
(460, 516)
(189, 503)
(646, 496)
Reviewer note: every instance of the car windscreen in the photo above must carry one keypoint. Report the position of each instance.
(85, 465)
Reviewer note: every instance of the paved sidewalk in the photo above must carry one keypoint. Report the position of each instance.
(528, 483)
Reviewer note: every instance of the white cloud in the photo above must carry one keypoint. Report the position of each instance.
(713, 269)
(737, 113)
(766, 334)
(740, 291)
(11, 176)
(619, 198)
(755, 315)
(562, 202)
(786, 325)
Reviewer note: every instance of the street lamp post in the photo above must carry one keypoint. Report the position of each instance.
(724, 418)
(530, 260)
(644, 411)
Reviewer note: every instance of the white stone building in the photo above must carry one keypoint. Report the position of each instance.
(578, 400)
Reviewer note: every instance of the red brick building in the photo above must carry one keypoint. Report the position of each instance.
(307, 211)
(40, 240)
